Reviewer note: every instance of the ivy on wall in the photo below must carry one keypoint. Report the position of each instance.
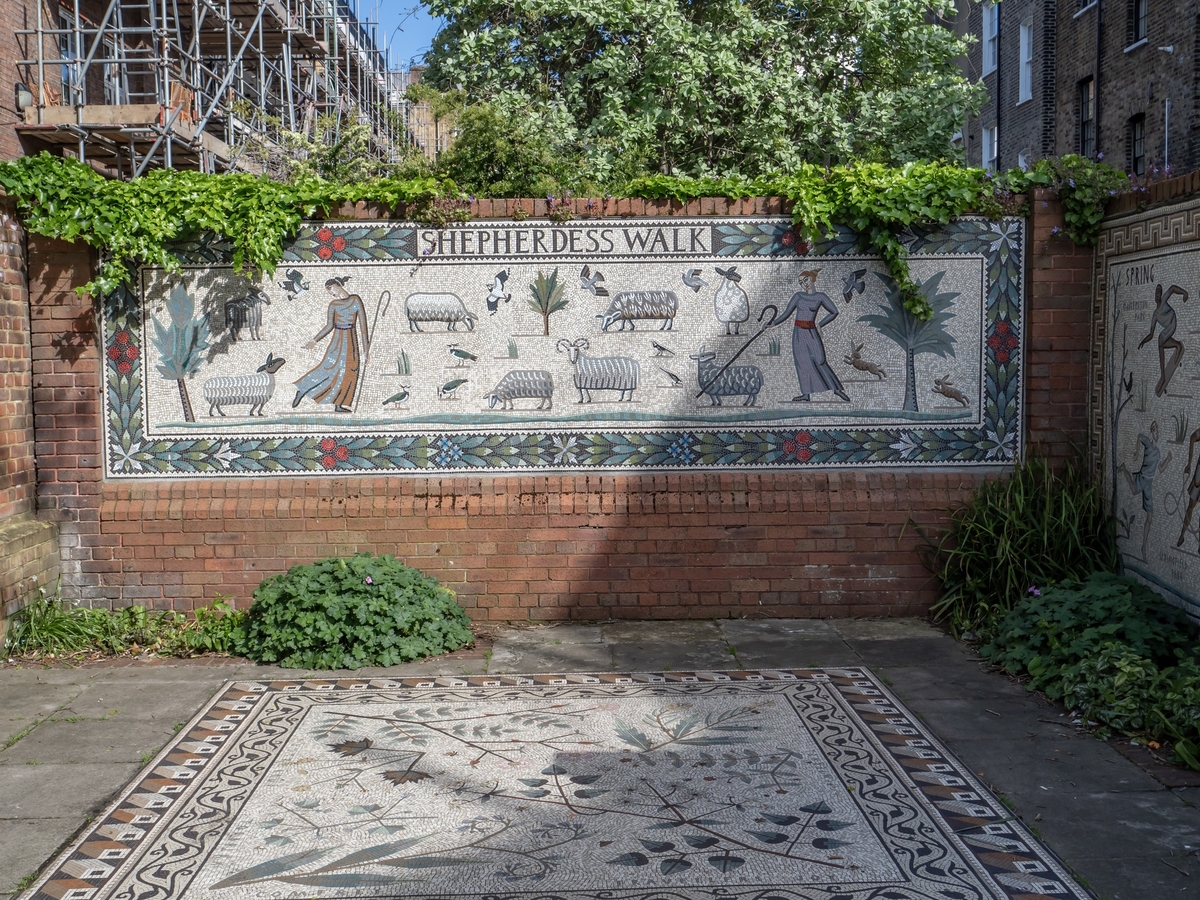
(134, 223)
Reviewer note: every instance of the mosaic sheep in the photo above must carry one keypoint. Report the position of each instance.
(600, 373)
(521, 384)
(629, 306)
(233, 390)
(245, 312)
(733, 382)
(446, 308)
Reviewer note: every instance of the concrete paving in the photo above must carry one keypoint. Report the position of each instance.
(73, 737)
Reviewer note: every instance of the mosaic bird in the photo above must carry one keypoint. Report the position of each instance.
(463, 356)
(450, 388)
(293, 283)
(591, 283)
(854, 284)
(660, 350)
(676, 381)
(497, 292)
(693, 280)
(398, 397)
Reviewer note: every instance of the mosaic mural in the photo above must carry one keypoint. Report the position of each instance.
(1151, 378)
(594, 344)
(795, 785)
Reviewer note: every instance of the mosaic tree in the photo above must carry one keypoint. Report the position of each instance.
(547, 297)
(910, 334)
(181, 344)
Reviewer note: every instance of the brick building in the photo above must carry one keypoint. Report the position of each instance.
(1088, 77)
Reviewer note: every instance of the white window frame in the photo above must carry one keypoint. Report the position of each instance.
(1025, 160)
(991, 36)
(991, 143)
(1025, 73)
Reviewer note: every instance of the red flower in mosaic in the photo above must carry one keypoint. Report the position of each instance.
(328, 461)
(1011, 342)
(342, 452)
(789, 239)
(803, 454)
(1001, 356)
(325, 234)
(327, 445)
(994, 341)
(124, 367)
(324, 251)
(339, 243)
(114, 352)
(122, 337)
(789, 446)
(131, 352)
(803, 437)
(1002, 327)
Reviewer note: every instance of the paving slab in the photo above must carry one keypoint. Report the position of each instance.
(1141, 878)
(550, 635)
(510, 659)
(917, 651)
(799, 653)
(56, 790)
(655, 656)
(26, 843)
(146, 700)
(950, 682)
(116, 740)
(996, 719)
(37, 701)
(886, 629)
(661, 632)
(736, 630)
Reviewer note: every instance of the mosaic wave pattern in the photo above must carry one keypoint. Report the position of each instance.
(799, 785)
(596, 344)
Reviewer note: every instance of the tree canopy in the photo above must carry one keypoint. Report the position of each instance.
(701, 87)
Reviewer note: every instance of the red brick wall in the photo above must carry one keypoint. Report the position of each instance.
(515, 547)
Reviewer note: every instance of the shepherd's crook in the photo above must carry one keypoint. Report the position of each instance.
(385, 300)
(745, 346)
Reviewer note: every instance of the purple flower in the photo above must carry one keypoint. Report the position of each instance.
(1035, 590)
(1099, 156)
(368, 580)
(1071, 182)
(1055, 230)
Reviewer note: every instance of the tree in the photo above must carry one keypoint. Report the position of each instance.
(181, 344)
(547, 297)
(913, 335)
(717, 86)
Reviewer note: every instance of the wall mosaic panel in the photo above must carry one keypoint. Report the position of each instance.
(587, 345)
(1150, 382)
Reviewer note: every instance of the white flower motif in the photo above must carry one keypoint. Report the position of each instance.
(906, 444)
(126, 460)
(225, 456)
(565, 450)
(999, 446)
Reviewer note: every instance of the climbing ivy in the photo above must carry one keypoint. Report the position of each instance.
(134, 223)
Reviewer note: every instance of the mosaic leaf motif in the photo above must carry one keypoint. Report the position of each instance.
(131, 452)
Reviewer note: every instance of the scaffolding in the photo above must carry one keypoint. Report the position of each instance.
(135, 84)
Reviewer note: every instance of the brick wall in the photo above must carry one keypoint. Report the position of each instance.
(28, 547)
(538, 547)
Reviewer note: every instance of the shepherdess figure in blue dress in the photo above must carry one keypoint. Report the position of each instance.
(335, 378)
(808, 350)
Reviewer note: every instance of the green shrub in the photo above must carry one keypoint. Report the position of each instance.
(1034, 527)
(348, 613)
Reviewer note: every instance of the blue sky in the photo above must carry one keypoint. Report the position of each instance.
(416, 28)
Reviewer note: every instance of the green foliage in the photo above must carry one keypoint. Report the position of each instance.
(1034, 527)
(348, 613)
(181, 344)
(1112, 650)
(49, 626)
(1083, 186)
(716, 86)
(546, 297)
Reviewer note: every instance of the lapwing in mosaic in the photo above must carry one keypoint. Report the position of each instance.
(798, 785)
(603, 344)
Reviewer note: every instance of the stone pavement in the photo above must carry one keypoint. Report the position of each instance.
(73, 737)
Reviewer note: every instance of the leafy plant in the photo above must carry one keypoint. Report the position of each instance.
(348, 613)
(1034, 527)
(181, 344)
(547, 297)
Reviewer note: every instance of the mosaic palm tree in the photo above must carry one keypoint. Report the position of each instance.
(913, 335)
(181, 344)
(547, 297)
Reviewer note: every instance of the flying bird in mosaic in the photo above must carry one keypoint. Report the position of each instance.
(854, 284)
(293, 283)
(590, 282)
(693, 280)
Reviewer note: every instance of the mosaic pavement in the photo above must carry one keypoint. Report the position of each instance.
(596, 344)
(798, 785)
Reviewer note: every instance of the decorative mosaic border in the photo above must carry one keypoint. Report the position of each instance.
(1003, 853)
(997, 440)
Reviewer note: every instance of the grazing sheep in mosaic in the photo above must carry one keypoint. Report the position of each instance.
(245, 312)
(521, 384)
(600, 373)
(629, 306)
(233, 390)
(446, 308)
(733, 382)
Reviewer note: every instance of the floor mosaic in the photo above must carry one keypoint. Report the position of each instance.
(798, 785)
(610, 344)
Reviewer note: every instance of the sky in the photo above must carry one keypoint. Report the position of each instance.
(407, 25)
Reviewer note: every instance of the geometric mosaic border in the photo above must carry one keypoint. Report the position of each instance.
(166, 825)
(996, 438)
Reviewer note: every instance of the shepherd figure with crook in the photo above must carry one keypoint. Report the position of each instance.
(808, 350)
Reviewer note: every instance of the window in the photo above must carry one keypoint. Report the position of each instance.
(1087, 117)
(991, 36)
(1137, 145)
(1025, 76)
(1137, 20)
(72, 92)
(990, 138)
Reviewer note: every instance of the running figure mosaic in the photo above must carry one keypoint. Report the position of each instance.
(592, 344)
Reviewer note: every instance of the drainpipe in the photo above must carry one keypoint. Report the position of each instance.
(999, 104)
(1167, 133)
(1096, 75)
